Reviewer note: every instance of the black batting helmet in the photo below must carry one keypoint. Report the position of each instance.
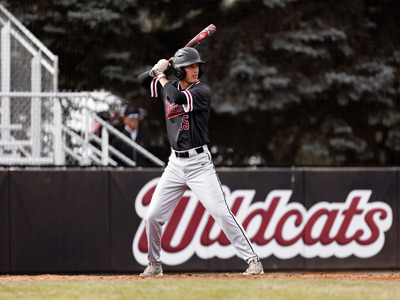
(185, 57)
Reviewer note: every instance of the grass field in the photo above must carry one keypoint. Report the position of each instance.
(201, 288)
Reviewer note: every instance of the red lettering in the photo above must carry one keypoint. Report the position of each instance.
(185, 123)
(325, 239)
(369, 219)
(341, 238)
(293, 225)
(143, 247)
(279, 228)
(173, 224)
(324, 235)
(221, 239)
(266, 216)
(173, 109)
(147, 197)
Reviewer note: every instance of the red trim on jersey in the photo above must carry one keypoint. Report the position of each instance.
(153, 88)
(189, 97)
(193, 84)
(189, 100)
(175, 114)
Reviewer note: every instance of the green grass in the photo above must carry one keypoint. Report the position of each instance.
(199, 288)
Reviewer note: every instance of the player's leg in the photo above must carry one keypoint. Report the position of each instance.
(166, 197)
(204, 182)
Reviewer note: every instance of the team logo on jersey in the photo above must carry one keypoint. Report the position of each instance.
(173, 110)
(276, 226)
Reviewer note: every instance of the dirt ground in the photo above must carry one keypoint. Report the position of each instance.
(384, 276)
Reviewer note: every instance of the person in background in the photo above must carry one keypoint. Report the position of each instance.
(131, 129)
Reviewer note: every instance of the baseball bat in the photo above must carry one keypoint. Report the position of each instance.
(200, 37)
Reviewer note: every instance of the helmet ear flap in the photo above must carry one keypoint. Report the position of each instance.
(180, 73)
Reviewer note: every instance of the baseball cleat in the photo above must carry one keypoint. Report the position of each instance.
(255, 268)
(152, 269)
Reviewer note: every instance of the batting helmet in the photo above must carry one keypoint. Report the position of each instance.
(185, 57)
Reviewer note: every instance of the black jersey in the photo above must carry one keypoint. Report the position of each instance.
(186, 119)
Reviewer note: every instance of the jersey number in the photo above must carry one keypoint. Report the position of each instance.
(185, 123)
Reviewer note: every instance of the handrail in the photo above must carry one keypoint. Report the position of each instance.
(75, 135)
(128, 141)
(93, 115)
(114, 151)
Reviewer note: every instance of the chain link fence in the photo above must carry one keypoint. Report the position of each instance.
(26, 130)
(40, 126)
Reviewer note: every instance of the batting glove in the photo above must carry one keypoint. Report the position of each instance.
(157, 74)
(163, 65)
(159, 68)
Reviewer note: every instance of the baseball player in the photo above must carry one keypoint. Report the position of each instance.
(187, 104)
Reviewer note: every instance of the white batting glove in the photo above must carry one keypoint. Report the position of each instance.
(163, 65)
(159, 68)
(157, 74)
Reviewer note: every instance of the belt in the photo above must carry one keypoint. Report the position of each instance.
(186, 154)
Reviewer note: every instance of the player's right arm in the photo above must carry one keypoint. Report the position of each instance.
(149, 83)
(147, 80)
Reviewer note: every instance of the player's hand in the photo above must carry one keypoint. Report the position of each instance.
(160, 67)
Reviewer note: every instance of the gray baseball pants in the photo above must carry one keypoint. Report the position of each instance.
(196, 172)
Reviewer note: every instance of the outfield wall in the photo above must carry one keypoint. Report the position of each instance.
(90, 220)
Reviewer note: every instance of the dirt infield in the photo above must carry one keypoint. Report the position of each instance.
(394, 277)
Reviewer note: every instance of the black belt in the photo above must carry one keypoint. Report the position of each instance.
(186, 153)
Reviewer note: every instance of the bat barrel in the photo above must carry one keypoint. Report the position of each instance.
(202, 35)
(212, 28)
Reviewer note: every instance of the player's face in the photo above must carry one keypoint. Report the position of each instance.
(192, 73)
(132, 123)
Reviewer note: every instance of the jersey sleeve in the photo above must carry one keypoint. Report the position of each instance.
(198, 98)
(149, 83)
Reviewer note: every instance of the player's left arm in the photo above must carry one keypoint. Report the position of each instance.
(151, 82)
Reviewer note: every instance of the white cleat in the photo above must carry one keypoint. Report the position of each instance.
(255, 268)
(152, 269)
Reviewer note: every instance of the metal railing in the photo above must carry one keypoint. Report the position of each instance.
(65, 139)
(39, 125)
